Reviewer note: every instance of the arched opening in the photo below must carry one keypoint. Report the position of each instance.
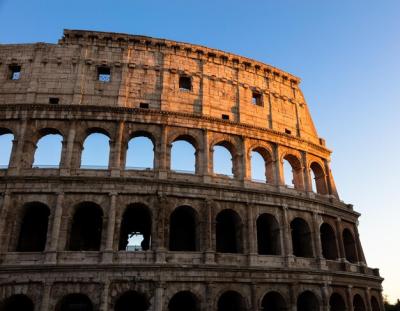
(358, 303)
(328, 242)
(17, 302)
(132, 300)
(6, 144)
(140, 153)
(96, 151)
(183, 230)
(336, 303)
(375, 304)
(349, 246)
(301, 238)
(135, 234)
(33, 230)
(229, 232)
(261, 165)
(183, 156)
(183, 301)
(223, 163)
(307, 301)
(75, 302)
(48, 150)
(292, 172)
(86, 228)
(273, 301)
(318, 178)
(231, 301)
(268, 235)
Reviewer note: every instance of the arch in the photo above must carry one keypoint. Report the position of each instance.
(268, 235)
(337, 303)
(33, 230)
(273, 301)
(328, 242)
(184, 301)
(292, 171)
(135, 232)
(86, 228)
(75, 302)
(132, 300)
(184, 154)
(6, 144)
(229, 232)
(318, 181)
(231, 301)
(301, 238)
(183, 235)
(224, 159)
(96, 150)
(48, 149)
(307, 301)
(358, 303)
(140, 151)
(375, 304)
(349, 246)
(16, 302)
(262, 167)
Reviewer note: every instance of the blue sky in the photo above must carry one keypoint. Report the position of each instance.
(346, 53)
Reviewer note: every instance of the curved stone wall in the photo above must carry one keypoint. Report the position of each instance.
(211, 242)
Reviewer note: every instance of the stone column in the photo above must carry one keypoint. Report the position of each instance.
(207, 165)
(162, 154)
(44, 305)
(209, 254)
(159, 297)
(278, 165)
(108, 251)
(349, 297)
(339, 236)
(251, 236)
(293, 291)
(367, 295)
(325, 297)
(105, 296)
(360, 252)
(51, 254)
(162, 205)
(17, 150)
(254, 298)
(287, 237)
(329, 180)
(3, 219)
(246, 160)
(67, 159)
(115, 158)
(306, 173)
(208, 305)
(317, 241)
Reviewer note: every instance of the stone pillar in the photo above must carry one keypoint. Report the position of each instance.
(159, 297)
(287, 236)
(254, 298)
(162, 154)
(104, 297)
(325, 297)
(329, 181)
(317, 241)
(360, 252)
(108, 251)
(67, 158)
(367, 295)
(339, 236)
(293, 291)
(115, 158)
(44, 305)
(51, 254)
(162, 205)
(246, 160)
(251, 236)
(349, 297)
(278, 165)
(209, 254)
(208, 305)
(207, 165)
(17, 151)
(306, 173)
(3, 219)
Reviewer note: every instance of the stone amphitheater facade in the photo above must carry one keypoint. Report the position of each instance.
(211, 242)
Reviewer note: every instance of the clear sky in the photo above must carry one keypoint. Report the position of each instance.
(346, 52)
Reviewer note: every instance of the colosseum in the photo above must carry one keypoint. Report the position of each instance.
(76, 237)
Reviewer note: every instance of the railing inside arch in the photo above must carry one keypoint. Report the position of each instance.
(46, 166)
(94, 167)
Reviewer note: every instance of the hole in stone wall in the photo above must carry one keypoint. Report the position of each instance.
(183, 156)
(140, 153)
(374, 304)
(75, 302)
(225, 117)
(185, 83)
(96, 151)
(144, 105)
(6, 143)
(231, 301)
(48, 151)
(258, 167)
(273, 301)
(358, 303)
(287, 131)
(135, 234)
(54, 100)
(182, 232)
(256, 98)
(301, 238)
(228, 232)
(17, 302)
(318, 179)
(104, 74)
(307, 302)
(268, 235)
(86, 228)
(15, 72)
(328, 242)
(183, 301)
(222, 161)
(33, 230)
(132, 300)
(336, 303)
(349, 246)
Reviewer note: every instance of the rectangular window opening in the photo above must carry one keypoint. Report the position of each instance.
(15, 72)
(225, 117)
(256, 99)
(288, 131)
(104, 74)
(185, 83)
(144, 105)
(54, 100)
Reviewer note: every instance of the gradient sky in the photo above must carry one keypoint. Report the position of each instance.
(346, 53)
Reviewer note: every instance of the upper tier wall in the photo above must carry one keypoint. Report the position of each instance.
(147, 70)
